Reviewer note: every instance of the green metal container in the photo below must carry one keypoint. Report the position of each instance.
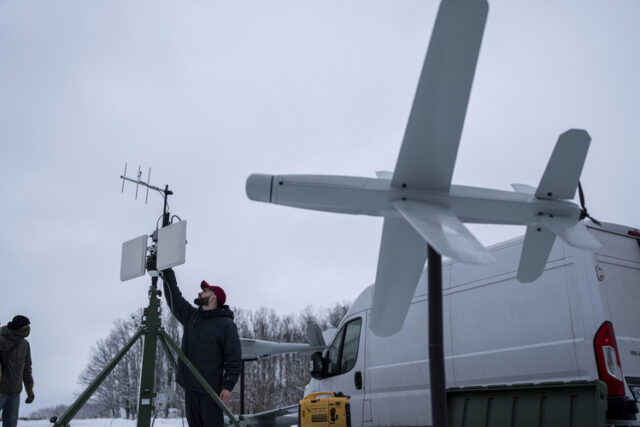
(559, 404)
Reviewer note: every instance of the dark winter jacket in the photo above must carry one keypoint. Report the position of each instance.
(210, 341)
(17, 353)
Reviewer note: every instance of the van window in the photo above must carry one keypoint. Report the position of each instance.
(350, 346)
(333, 356)
(343, 353)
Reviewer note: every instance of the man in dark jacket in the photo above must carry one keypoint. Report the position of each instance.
(15, 358)
(210, 341)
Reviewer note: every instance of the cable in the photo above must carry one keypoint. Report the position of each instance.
(159, 191)
(166, 200)
(170, 294)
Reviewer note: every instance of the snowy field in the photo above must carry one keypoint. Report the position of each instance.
(107, 422)
(289, 421)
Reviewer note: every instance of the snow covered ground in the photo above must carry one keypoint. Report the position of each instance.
(107, 422)
(289, 421)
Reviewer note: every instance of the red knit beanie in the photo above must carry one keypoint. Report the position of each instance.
(221, 297)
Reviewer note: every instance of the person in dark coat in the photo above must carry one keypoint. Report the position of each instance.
(15, 359)
(210, 341)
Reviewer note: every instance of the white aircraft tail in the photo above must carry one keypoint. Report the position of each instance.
(560, 178)
(559, 181)
(314, 336)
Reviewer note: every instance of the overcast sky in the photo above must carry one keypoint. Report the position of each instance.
(207, 92)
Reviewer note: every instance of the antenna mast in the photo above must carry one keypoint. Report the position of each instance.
(151, 329)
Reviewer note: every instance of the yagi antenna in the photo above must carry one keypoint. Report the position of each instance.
(146, 197)
(139, 181)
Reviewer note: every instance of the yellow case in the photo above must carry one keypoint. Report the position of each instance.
(324, 409)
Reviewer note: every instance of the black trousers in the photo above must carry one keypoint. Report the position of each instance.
(201, 410)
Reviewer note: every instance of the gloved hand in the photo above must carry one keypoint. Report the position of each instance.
(30, 395)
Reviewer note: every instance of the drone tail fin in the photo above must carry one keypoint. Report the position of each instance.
(539, 240)
(559, 181)
(560, 178)
(572, 232)
(536, 248)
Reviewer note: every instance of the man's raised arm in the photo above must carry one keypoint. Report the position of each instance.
(179, 306)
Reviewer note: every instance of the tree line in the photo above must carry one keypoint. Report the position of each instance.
(270, 382)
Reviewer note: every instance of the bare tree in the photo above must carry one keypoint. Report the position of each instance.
(280, 380)
(336, 313)
(270, 382)
(119, 389)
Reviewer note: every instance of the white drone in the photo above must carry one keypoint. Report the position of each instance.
(419, 205)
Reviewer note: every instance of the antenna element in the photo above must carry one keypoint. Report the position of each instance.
(139, 181)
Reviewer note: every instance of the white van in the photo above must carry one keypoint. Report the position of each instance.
(500, 331)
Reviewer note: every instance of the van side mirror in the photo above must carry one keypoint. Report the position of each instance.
(318, 366)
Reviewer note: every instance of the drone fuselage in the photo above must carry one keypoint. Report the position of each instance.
(374, 197)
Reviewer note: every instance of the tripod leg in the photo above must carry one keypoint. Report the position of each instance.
(173, 361)
(64, 420)
(199, 377)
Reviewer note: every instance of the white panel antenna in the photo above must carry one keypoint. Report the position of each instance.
(134, 255)
(172, 242)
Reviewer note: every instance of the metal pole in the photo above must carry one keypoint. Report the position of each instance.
(86, 394)
(165, 214)
(436, 346)
(200, 378)
(242, 389)
(150, 325)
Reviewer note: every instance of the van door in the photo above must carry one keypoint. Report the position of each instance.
(345, 365)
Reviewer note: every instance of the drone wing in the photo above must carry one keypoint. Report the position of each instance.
(442, 229)
(426, 161)
(400, 263)
(432, 136)
(402, 254)
(287, 415)
(254, 349)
